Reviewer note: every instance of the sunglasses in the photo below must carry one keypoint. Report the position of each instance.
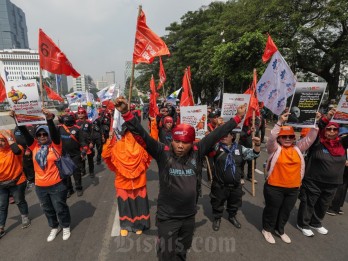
(288, 137)
(42, 134)
(331, 129)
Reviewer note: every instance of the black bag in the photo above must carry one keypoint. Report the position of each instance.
(65, 165)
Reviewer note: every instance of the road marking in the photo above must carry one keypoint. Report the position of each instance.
(259, 171)
(115, 231)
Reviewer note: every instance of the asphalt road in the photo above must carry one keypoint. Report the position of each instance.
(93, 217)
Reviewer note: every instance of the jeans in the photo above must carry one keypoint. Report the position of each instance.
(18, 193)
(77, 174)
(53, 203)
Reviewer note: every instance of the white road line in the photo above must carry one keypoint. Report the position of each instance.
(115, 231)
(259, 171)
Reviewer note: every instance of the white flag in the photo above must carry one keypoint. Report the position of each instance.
(199, 101)
(76, 97)
(107, 93)
(276, 84)
(118, 120)
(172, 97)
(218, 96)
(92, 112)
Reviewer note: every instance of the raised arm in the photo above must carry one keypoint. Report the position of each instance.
(152, 146)
(213, 137)
(55, 137)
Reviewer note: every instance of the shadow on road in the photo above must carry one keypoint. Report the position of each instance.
(80, 211)
(253, 214)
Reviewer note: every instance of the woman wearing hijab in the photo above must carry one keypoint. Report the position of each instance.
(285, 170)
(324, 172)
(11, 171)
(50, 188)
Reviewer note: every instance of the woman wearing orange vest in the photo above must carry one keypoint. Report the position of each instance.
(50, 188)
(12, 179)
(130, 161)
(285, 170)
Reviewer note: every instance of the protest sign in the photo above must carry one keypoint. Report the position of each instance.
(230, 103)
(305, 103)
(341, 115)
(196, 116)
(23, 97)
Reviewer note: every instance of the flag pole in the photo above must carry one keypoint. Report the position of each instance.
(189, 82)
(133, 65)
(41, 89)
(252, 136)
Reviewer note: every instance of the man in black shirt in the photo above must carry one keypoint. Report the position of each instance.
(179, 169)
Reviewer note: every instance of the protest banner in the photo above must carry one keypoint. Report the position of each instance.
(305, 103)
(230, 103)
(196, 116)
(341, 115)
(23, 97)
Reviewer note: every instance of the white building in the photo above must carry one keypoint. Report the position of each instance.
(101, 84)
(18, 64)
(81, 83)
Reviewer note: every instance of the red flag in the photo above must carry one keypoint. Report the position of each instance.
(270, 49)
(162, 75)
(52, 59)
(153, 108)
(52, 94)
(254, 104)
(147, 45)
(186, 96)
(2, 90)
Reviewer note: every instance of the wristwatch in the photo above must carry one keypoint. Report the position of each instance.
(10, 139)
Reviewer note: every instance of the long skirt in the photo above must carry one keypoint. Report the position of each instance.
(134, 208)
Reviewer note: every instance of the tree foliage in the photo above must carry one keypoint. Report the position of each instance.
(311, 35)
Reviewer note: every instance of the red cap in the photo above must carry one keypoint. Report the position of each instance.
(167, 119)
(81, 110)
(184, 132)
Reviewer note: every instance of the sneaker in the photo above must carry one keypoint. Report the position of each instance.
(305, 231)
(66, 233)
(11, 200)
(25, 221)
(242, 182)
(331, 212)
(79, 193)
(2, 232)
(53, 234)
(138, 232)
(340, 212)
(285, 238)
(321, 230)
(268, 236)
(255, 181)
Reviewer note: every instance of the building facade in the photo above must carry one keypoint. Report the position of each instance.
(19, 64)
(82, 83)
(13, 27)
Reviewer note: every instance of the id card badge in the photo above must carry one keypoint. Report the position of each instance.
(236, 152)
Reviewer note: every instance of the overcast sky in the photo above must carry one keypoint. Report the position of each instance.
(98, 35)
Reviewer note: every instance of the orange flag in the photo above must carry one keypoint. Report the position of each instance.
(147, 44)
(52, 59)
(254, 104)
(153, 108)
(52, 94)
(270, 49)
(2, 90)
(186, 96)
(162, 75)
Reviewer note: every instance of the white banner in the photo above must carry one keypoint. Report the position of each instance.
(341, 115)
(23, 97)
(196, 116)
(76, 97)
(230, 103)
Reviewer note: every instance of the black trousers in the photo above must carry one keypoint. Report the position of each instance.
(220, 194)
(315, 199)
(263, 129)
(278, 205)
(77, 174)
(341, 193)
(174, 238)
(90, 164)
(250, 167)
(97, 140)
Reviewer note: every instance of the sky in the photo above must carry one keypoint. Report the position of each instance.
(98, 36)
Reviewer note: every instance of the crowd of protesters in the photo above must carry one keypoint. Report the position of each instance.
(311, 169)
